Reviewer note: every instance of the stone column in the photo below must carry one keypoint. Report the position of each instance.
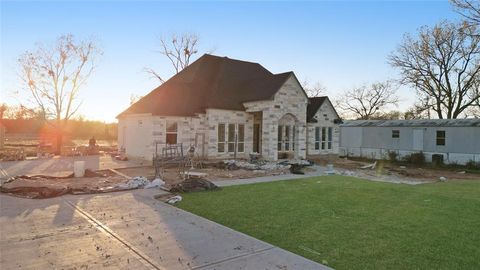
(269, 136)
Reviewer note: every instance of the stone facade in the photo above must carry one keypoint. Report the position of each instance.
(138, 134)
(325, 117)
(289, 100)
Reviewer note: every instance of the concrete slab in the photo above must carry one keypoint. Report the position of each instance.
(129, 230)
(61, 165)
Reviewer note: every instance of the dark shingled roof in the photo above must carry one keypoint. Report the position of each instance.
(314, 104)
(210, 82)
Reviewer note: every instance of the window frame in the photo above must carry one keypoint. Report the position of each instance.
(323, 137)
(317, 138)
(395, 133)
(170, 132)
(329, 138)
(219, 141)
(233, 139)
(231, 136)
(442, 139)
(241, 138)
(280, 138)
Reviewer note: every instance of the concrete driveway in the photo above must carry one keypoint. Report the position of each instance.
(126, 230)
(59, 165)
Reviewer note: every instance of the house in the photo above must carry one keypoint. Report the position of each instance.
(226, 108)
(456, 140)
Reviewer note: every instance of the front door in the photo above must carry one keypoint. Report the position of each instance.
(200, 144)
(418, 139)
(256, 138)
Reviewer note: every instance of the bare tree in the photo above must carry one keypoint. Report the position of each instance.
(314, 90)
(366, 101)
(134, 98)
(19, 112)
(54, 76)
(470, 9)
(178, 50)
(443, 64)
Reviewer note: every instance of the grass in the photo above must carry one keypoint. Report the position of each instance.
(349, 223)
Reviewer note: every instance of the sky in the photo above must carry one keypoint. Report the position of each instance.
(342, 44)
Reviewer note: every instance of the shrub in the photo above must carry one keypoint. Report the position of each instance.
(415, 158)
(472, 165)
(392, 156)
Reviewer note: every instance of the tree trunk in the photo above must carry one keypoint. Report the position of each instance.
(58, 151)
(59, 139)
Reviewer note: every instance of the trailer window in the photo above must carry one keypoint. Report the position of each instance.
(395, 133)
(440, 137)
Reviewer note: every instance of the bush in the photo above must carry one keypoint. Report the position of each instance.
(415, 159)
(392, 156)
(472, 165)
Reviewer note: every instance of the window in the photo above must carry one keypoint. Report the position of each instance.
(231, 137)
(327, 135)
(317, 138)
(221, 138)
(287, 138)
(440, 137)
(171, 134)
(280, 137)
(293, 138)
(324, 137)
(330, 131)
(395, 133)
(241, 138)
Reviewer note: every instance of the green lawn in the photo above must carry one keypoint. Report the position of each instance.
(349, 223)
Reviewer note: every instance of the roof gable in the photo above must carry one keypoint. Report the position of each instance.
(314, 104)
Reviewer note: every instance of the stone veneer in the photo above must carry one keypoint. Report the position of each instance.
(290, 99)
(138, 133)
(325, 117)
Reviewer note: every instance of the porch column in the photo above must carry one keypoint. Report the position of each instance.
(301, 141)
(269, 136)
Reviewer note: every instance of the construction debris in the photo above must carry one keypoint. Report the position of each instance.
(42, 186)
(330, 169)
(45, 186)
(174, 199)
(156, 183)
(135, 182)
(369, 166)
(191, 185)
(266, 166)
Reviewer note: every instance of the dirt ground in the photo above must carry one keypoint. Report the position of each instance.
(172, 176)
(46, 187)
(405, 171)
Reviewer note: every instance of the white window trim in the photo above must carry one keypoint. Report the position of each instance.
(315, 141)
(224, 142)
(291, 138)
(235, 137)
(171, 132)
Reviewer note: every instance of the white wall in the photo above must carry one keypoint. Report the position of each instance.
(462, 143)
(135, 135)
